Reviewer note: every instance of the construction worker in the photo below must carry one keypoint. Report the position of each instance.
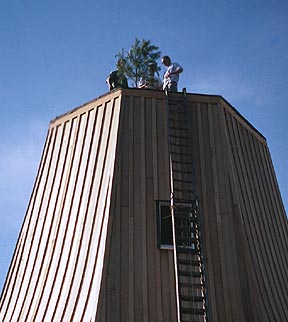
(171, 76)
(117, 79)
(151, 81)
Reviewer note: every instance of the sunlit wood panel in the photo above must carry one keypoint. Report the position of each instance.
(88, 248)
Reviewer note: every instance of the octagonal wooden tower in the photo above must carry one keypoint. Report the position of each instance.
(96, 244)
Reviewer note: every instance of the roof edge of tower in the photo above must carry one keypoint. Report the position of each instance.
(86, 104)
(155, 93)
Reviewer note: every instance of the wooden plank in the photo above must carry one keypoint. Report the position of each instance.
(163, 165)
(252, 231)
(257, 221)
(211, 211)
(81, 226)
(276, 203)
(7, 300)
(131, 213)
(155, 145)
(143, 170)
(34, 227)
(271, 228)
(205, 211)
(231, 278)
(242, 244)
(61, 228)
(73, 235)
(265, 221)
(172, 284)
(137, 212)
(92, 272)
(39, 290)
(217, 175)
(12, 272)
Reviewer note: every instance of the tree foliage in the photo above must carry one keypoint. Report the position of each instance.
(134, 63)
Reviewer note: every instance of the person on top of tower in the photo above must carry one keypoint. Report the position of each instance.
(117, 79)
(171, 76)
(151, 81)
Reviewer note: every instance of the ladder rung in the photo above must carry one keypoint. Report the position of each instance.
(189, 262)
(182, 181)
(185, 213)
(185, 227)
(186, 177)
(181, 162)
(182, 172)
(192, 311)
(188, 244)
(180, 145)
(190, 274)
(183, 216)
(192, 240)
(188, 229)
(177, 110)
(193, 246)
(198, 286)
(180, 201)
(178, 214)
(178, 103)
(178, 128)
(192, 298)
(183, 190)
(188, 211)
(187, 250)
(179, 235)
(191, 205)
(186, 171)
(182, 154)
(177, 120)
(182, 231)
(179, 137)
(178, 171)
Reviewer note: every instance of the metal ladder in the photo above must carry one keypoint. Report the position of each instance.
(189, 267)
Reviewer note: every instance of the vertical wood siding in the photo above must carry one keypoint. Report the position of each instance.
(88, 251)
(56, 270)
(244, 222)
(139, 283)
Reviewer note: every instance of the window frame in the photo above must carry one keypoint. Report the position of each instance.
(159, 205)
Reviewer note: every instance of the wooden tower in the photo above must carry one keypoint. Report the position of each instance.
(151, 208)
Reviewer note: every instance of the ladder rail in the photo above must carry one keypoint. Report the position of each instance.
(185, 209)
(189, 128)
(172, 206)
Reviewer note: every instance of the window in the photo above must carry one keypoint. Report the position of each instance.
(164, 225)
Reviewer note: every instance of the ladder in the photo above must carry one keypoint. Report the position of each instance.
(189, 267)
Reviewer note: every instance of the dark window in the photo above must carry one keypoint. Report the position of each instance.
(164, 225)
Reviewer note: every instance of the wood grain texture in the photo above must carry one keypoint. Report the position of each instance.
(87, 250)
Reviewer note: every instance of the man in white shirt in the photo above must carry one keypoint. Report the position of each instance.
(171, 76)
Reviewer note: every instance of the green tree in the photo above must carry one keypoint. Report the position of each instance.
(135, 62)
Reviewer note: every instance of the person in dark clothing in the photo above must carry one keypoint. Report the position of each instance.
(117, 79)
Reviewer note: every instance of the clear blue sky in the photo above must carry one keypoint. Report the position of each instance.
(56, 54)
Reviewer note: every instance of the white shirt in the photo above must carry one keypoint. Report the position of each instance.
(173, 77)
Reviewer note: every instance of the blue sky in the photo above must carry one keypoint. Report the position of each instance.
(55, 55)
